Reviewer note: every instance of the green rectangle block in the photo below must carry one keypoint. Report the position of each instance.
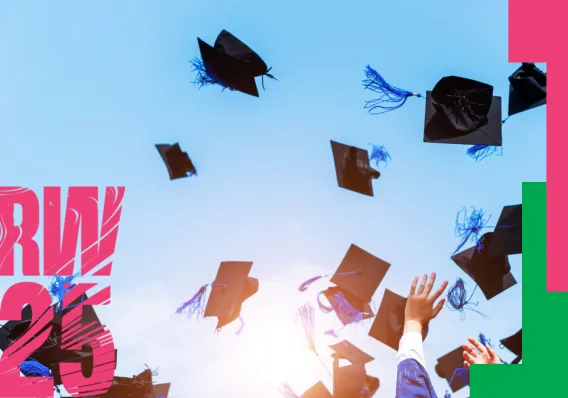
(544, 320)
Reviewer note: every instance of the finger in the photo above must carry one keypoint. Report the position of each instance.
(491, 353)
(413, 286)
(470, 350)
(438, 308)
(469, 358)
(422, 285)
(439, 291)
(477, 344)
(430, 284)
(466, 364)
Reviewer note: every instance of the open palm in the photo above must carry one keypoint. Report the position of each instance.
(479, 355)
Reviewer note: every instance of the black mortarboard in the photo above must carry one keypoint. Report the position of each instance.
(388, 326)
(160, 391)
(233, 63)
(353, 169)
(462, 111)
(451, 368)
(346, 350)
(507, 237)
(527, 88)
(352, 381)
(491, 273)
(178, 162)
(139, 386)
(348, 308)
(232, 286)
(318, 390)
(514, 344)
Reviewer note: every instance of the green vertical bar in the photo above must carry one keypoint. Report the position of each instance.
(544, 320)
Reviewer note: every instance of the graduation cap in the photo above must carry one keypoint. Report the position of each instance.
(230, 63)
(451, 368)
(232, 286)
(458, 110)
(527, 89)
(352, 381)
(507, 238)
(318, 390)
(491, 273)
(388, 326)
(160, 390)
(352, 168)
(178, 163)
(356, 281)
(514, 344)
(346, 350)
(139, 386)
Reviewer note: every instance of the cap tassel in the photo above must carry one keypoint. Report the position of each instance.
(324, 308)
(346, 311)
(380, 154)
(204, 77)
(470, 228)
(57, 289)
(242, 325)
(195, 305)
(485, 341)
(389, 94)
(447, 395)
(34, 368)
(287, 391)
(461, 373)
(304, 286)
(306, 316)
(457, 299)
(267, 74)
(480, 152)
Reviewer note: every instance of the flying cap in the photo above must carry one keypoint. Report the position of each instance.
(491, 273)
(463, 111)
(231, 287)
(231, 64)
(507, 237)
(346, 350)
(353, 169)
(178, 162)
(348, 308)
(451, 368)
(514, 344)
(527, 88)
(139, 386)
(388, 325)
(318, 390)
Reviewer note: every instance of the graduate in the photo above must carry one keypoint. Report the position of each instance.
(413, 380)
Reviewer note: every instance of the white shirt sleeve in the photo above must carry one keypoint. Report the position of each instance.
(410, 347)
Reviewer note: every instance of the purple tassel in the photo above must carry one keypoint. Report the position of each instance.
(287, 391)
(324, 308)
(470, 227)
(304, 286)
(380, 154)
(195, 305)
(460, 373)
(242, 325)
(306, 316)
(346, 310)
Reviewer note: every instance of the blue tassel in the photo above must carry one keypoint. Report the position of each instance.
(57, 289)
(447, 395)
(504, 120)
(324, 308)
(484, 340)
(470, 228)
(305, 285)
(458, 301)
(34, 368)
(306, 317)
(346, 311)
(287, 391)
(461, 373)
(204, 77)
(195, 305)
(480, 152)
(380, 154)
(389, 94)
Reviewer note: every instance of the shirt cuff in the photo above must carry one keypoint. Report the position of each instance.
(410, 347)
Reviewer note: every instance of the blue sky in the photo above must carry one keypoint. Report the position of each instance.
(89, 87)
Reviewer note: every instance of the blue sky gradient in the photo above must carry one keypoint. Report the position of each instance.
(89, 87)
